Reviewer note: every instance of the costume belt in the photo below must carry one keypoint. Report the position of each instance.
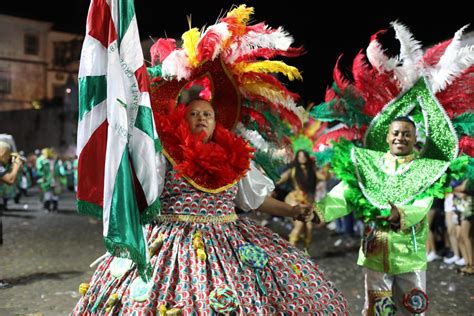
(213, 219)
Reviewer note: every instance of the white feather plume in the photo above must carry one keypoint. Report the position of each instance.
(276, 39)
(298, 110)
(410, 55)
(176, 65)
(257, 141)
(378, 59)
(455, 61)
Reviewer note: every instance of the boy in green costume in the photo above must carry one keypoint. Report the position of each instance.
(388, 183)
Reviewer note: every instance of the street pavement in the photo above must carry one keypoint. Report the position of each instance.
(45, 256)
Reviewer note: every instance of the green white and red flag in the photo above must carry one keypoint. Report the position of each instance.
(116, 137)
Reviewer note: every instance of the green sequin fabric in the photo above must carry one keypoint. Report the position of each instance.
(380, 187)
(442, 142)
(344, 169)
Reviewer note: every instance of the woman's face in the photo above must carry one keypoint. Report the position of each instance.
(302, 158)
(201, 117)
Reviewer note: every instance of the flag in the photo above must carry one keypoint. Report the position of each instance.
(116, 136)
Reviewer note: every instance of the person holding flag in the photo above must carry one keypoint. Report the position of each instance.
(200, 257)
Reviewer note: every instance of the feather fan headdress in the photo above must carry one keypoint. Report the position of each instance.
(237, 58)
(378, 81)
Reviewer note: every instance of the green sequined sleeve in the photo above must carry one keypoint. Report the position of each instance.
(333, 205)
(414, 213)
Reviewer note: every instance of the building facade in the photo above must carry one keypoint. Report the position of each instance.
(37, 64)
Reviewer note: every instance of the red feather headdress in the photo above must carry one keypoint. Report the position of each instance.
(377, 79)
(237, 61)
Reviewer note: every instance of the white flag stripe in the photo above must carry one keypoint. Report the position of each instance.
(93, 58)
(141, 145)
(89, 123)
(130, 47)
(145, 99)
(118, 128)
(142, 151)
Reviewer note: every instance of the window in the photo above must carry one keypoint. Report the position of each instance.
(5, 81)
(31, 44)
(58, 91)
(60, 54)
(67, 52)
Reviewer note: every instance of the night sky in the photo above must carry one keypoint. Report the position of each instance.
(325, 33)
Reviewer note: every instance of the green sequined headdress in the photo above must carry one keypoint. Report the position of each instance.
(441, 139)
(434, 87)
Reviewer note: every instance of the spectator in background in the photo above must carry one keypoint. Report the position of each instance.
(10, 165)
(45, 167)
(302, 177)
(452, 224)
(23, 180)
(461, 206)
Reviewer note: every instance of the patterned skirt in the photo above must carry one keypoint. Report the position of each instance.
(232, 267)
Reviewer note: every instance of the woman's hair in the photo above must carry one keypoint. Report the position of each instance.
(306, 182)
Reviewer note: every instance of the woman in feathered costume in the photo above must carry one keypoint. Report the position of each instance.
(204, 259)
(388, 183)
(303, 177)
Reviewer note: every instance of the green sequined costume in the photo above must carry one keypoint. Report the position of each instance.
(372, 177)
(434, 88)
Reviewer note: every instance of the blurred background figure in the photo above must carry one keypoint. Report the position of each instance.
(458, 205)
(452, 213)
(23, 179)
(302, 177)
(10, 165)
(47, 171)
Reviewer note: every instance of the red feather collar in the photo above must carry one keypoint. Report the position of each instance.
(210, 167)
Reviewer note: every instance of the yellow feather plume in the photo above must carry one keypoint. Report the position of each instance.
(241, 13)
(290, 72)
(266, 90)
(190, 41)
(313, 128)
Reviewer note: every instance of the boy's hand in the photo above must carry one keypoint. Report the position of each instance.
(394, 217)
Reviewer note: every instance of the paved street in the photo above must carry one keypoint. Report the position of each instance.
(46, 255)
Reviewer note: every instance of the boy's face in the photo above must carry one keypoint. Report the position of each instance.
(401, 138)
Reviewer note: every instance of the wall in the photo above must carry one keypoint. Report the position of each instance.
(32, 129)
(27, 71)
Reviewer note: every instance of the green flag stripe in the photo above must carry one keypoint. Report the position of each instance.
(144, 120)
(92, 91)
(125, 230)
(127, 12)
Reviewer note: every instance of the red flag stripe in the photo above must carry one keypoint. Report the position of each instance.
(142, 78)
(91, 167)
(100, 24)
